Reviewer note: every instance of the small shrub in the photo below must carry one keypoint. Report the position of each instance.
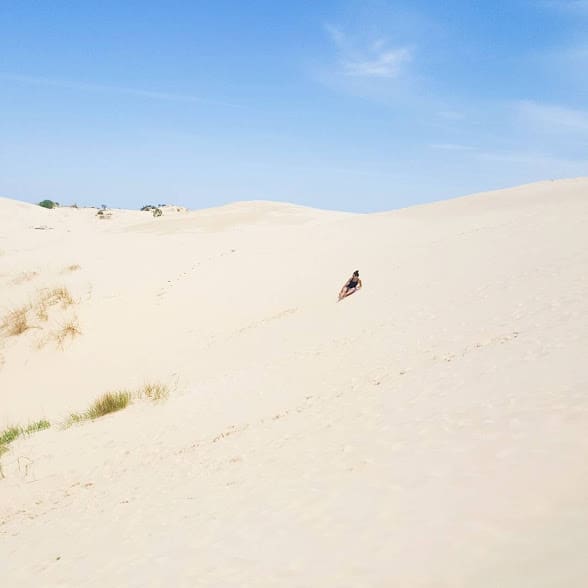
(157, 212)
(110, 402)
(48, 204)
(154, 391)
(16, 321)
(73, 268)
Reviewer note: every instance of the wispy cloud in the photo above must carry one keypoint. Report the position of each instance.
(546, 164)
(102, 88)
(451, 147)
(376, 59)
(451, 115)
(385, 65)
(552, 118)
(574, 6)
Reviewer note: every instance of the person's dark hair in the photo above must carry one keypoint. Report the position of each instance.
(356, 273)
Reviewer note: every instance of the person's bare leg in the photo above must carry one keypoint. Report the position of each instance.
(348, 292)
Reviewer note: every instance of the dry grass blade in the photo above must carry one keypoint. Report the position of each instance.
(41, 312)
(154, 391)
(56, 296)
(70, 329)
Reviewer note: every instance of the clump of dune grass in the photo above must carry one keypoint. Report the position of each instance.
(109, 402)
(36, 426)
(16, 322)
(7, 437)
(70, 329)
(11, 433)
(53, 296)
(154, 391)
(73, 268)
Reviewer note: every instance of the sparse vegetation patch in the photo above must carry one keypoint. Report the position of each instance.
(115, 401)
(54, 296)
(154, 391)
(106, 404)
(109, 402)
(16, 321)
(28, 316)
(69, 329)
(37, 426)
(11, 433)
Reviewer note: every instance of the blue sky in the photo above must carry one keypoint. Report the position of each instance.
(354, 105)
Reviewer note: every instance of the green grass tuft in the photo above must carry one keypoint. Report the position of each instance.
(110, 402)
(9, 435)
(38, 426)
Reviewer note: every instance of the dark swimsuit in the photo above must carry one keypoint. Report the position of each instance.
(351, 284)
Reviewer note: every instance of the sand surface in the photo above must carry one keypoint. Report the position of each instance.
(429, 431)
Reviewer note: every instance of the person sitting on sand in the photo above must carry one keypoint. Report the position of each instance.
(353, 284)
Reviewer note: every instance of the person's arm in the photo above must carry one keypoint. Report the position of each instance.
(360, 284)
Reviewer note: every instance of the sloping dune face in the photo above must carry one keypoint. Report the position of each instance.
(429, 430)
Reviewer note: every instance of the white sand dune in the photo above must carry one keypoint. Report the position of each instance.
(429, 431)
